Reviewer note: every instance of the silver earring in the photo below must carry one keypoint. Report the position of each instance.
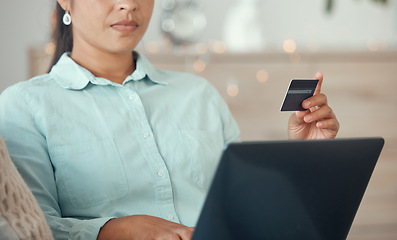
(67, 19)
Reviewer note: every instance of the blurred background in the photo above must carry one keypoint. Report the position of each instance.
(250, 50)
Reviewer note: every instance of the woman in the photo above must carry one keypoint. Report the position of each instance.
(113, 148)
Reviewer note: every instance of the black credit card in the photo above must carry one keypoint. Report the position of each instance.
(298, 91)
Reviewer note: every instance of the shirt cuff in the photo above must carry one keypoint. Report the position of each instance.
(87, 229)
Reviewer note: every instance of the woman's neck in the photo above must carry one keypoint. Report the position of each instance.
(112, 66)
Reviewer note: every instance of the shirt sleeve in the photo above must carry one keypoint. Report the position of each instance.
(26, 143)
(231, 131)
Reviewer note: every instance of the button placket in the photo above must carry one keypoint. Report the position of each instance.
(164, 192)
(131, 97)
(146, 135)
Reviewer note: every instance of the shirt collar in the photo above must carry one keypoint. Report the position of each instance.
(145, 68)
(70, 75)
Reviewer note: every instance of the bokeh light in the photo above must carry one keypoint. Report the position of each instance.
(152, 47)
(289, 46)
(262, 76)
(219, 47)
(199, 65)
(50, 48)
(233, 90)
(202, 48)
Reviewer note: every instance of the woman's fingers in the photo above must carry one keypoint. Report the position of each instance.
(329, 124)
(320, 77)
(185, 233)
(315, 101)
(323, 113)
(144, 227)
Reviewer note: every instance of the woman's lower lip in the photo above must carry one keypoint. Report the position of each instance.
(124, 28)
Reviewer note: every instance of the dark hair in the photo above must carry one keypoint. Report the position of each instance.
(63, 36)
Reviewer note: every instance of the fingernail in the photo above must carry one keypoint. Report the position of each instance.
(306, 104)
(308, 119)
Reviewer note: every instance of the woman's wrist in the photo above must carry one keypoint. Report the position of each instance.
(108, 230)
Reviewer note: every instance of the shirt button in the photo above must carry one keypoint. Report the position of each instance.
(131, 97)
(170, 217)
(146, 135)
(160, 173)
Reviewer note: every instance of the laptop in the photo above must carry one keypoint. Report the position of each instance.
(288, 189)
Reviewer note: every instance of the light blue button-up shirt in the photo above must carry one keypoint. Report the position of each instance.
(91, 150)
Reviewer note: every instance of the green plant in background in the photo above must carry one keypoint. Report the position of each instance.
(330, 4)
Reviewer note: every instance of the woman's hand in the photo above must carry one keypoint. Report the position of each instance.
(144, 227)
(318, 121)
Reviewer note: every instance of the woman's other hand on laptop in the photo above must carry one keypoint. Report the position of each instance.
(318, 121)
(138, 227)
